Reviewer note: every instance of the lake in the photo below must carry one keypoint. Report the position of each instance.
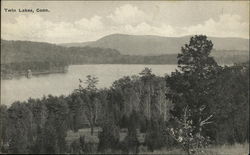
(63, 84)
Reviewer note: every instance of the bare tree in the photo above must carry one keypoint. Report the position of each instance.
(187, 134)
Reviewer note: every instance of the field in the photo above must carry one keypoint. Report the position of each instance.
(236, 149)
(86, 132)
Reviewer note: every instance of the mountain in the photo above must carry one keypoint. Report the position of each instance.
(158, 45)
(28, 51)
(17, 57)
(79, 44)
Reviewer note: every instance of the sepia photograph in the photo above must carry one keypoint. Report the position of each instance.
(124, 77)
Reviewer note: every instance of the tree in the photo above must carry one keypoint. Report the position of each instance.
(147, 72)
(109, 136)
(183, 133)
(130, 96)
(3, 127)
(147, 92)
(231, 105)
(19, 128)
(195, 56)
(91, 83)
(55, 129)
(89, 99)
(192, 85)
(115, 106)
(155, 136)
(131, 142)
(75, 111)
(39, 118)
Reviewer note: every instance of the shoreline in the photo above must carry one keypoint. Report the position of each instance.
(65, 69)
(35, 73)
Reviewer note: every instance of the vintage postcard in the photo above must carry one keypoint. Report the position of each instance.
(124, 77)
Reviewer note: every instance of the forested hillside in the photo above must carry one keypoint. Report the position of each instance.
(157, 45)
(199, 105)
(19, 56)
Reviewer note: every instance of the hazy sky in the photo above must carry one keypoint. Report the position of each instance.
(86, 21)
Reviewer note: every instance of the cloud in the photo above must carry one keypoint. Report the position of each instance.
(128, 14)
(226, 26)
(147, 29)
(35, 28)
(91, 24)
(80, 30)
(26, 27)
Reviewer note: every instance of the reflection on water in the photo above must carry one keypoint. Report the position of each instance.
(63, 84)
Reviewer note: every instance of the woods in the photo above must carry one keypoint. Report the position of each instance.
(199, 104)
(19, 56)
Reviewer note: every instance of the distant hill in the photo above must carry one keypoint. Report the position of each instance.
(19, 56)
(157, 45)
(28, 51)
(15, 53)
(77, 44)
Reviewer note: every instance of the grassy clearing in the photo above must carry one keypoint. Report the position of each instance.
(235, 149)
(164, 151)
(86, 132)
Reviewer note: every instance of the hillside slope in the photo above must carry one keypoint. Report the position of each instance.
(157, 45)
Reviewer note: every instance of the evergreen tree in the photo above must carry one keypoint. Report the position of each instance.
(192, 85)
(19, 128)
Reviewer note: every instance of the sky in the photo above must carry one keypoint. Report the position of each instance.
(80, 21)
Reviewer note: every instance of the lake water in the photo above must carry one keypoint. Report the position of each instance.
(63, 84)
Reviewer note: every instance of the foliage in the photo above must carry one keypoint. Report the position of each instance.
(193, 85)
(19, 56)
(75, 111)
(19, 128)
(195, 56)
(184, 133)
(3, 127)
(56, 125)
(155, 136)
(131, 142)
(80, 146)
(137, 104)
(231, 105)
(109, 136)
(89, 99)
